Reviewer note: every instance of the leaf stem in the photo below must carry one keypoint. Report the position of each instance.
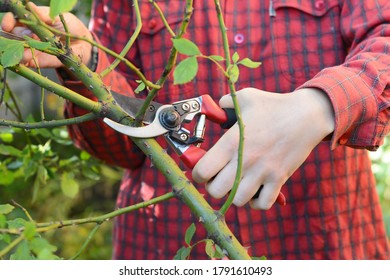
(85, 244)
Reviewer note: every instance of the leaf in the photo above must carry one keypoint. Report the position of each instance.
(210, 249)
(235, 57)
(6, 208)
(16, 223)
(61, 6)
(11, 52)
(22, 252)
(247, 62)
(7, 177)
(29, 230)
(185, 46)
(39, 244)
(140, 87)
(234, 72)
(7, 137)
(185, 71)
(3, 221)
(7, 150)
(218, 252)
(190, 233)
(69, 186)
(41, 46)
(84, 155)
(182, 253)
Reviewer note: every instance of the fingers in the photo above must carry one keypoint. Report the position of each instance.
(267, 197)
(217, 157)
(8, 22)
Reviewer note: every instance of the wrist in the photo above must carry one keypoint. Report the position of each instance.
(319, 110)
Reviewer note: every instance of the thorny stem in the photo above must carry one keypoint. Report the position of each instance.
(229, 200)
(49, 124)
(118, 57)
(170, 63)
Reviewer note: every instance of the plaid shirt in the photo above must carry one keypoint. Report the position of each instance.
(339, 46)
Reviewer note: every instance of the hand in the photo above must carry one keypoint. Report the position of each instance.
(280, 132)
(75, 26)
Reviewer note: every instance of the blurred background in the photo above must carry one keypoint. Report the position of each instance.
(42, 171)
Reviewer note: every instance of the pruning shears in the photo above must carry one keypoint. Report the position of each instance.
(168, 120)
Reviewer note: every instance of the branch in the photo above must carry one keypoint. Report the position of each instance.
(50, 124)
(241, 126)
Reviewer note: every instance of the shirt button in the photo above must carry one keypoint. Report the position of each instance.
(239, 38)
(152, 24)
(319, 5)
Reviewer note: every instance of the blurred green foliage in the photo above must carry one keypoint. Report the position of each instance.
(381, 168)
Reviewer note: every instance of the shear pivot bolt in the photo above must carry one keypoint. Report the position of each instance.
(183, 137)
(169, 118)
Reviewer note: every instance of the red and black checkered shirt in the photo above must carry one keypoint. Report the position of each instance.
(339, 46)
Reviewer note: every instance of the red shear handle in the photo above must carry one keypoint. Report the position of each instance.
(191, 156)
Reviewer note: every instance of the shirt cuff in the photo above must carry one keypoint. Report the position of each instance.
(355, 107)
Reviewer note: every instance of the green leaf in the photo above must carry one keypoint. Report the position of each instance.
(247, 62)
(29, 230)
(3, 220)
(16, 223)
(7, 137)
(7, 150)
(234, 73)
(235, 57)
(182, 253)
(11, 52)
(262, 258)
(7, 177)
(69, 186)
(218, 252)
(41, 46)
(6, 208)
(39, 244)
(84, 155)
(190, 233)
(22, 252)
(140, 87)
(61, 6)
(185, 71)
(185, 46)
(210, 249)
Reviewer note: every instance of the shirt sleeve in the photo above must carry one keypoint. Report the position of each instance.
(95, 136)
(359, 89)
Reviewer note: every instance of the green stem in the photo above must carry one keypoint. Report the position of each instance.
(229, 201)
(212, 220)
(50, 124)
(60, 90)
(67, 37)
(12, 245)
(170, 63)
(89, 238)
(163, 18)
(129, 43)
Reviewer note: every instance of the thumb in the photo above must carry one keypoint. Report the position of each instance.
(226, 101)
